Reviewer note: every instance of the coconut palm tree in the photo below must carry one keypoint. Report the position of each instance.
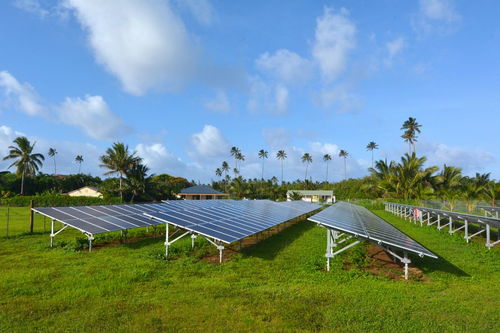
(306, 158)
(225, 167)
(327, 158)
(411, 127)
(343, 153)
(240, 158)
(234, 153)
(118, 160)
(263, 154)
(372, 146)
(137, 180)
(79, 160)
(26, 162)
(52, 153)
(218, 172)
(281, 155)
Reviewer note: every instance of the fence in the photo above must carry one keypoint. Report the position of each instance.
(15, 221)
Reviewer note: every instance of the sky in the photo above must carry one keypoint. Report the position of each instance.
(181, 82)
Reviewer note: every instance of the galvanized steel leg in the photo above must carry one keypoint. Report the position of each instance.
(466, 230)
(166, 241)
(406, 264)
(488, 243)
(52, 233)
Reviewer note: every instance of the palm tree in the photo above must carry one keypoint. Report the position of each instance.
(79, 160)
(447, 185)
(343, 153)
(27, 163)
(281, 155)
(306, 158)
(118, 160)
(52, 153)
(239, 157)
(263, 155)
(225, 167)
(372, 146)
(411, 127)
(327, 158)
(234, 152)
(137, 180)
(218, 172)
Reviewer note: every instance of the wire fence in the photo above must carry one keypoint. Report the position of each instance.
(16, 221)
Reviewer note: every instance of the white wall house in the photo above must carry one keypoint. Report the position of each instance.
(319, 196)
(86, 191)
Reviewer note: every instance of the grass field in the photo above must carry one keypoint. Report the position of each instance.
(278, 284)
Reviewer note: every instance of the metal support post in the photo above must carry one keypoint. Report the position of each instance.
(193, 237)
(52, 235)
(91, 238)
(166, 241)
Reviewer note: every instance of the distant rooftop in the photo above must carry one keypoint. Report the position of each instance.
(311, 192)
(200, 189)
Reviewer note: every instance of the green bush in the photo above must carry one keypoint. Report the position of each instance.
(50, 200)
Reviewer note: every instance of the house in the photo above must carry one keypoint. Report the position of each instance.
(201, 192)
(86, 191)
(325, 196)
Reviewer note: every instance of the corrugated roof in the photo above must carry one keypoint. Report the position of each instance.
(199, 189)
(311, 192)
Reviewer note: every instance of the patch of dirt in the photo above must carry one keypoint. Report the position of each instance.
(382, 264)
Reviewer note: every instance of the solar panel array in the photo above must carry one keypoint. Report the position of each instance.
(101, 219)
(224, 220)
(470, 218)
(490, 209)
(358, 221)
(228, 220)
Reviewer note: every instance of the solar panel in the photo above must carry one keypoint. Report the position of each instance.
(222, 220)
(228, 220)
(360, 222)
(416, 213)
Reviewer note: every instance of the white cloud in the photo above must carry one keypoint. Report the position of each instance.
(276, 138)
(92, 115)
(159, 159)
(470, 160)
(22, 95)
(32, 6)
(339, 98)
(394, 47)
(335, 36)
(7, 135)
(220, 103)
(143, 43)
(436, 16)
(267, 97)
(325, 148)
(209, 142)
(285, 66)
(202, 10)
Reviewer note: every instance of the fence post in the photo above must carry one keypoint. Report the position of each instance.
(31, 216)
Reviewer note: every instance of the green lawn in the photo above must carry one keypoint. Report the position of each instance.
(277, 285)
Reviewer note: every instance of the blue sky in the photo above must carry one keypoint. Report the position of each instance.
(182, 81)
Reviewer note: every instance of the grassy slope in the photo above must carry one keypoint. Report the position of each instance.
(278, 284)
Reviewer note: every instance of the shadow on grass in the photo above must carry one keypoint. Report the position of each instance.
(143, 241)
(428, 265)
(269, 248)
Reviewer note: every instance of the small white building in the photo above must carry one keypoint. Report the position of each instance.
(86, 191)
(325, 196)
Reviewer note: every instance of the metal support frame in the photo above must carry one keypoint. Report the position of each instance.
(489, 243)
(449, 224)
(193, 237)
(168, 242)
(405, 260)
(331, 242)
(465, 226)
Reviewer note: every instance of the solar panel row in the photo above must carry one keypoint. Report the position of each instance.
(417, 214)
(358, 221)
(228, 220)
(224, 220)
